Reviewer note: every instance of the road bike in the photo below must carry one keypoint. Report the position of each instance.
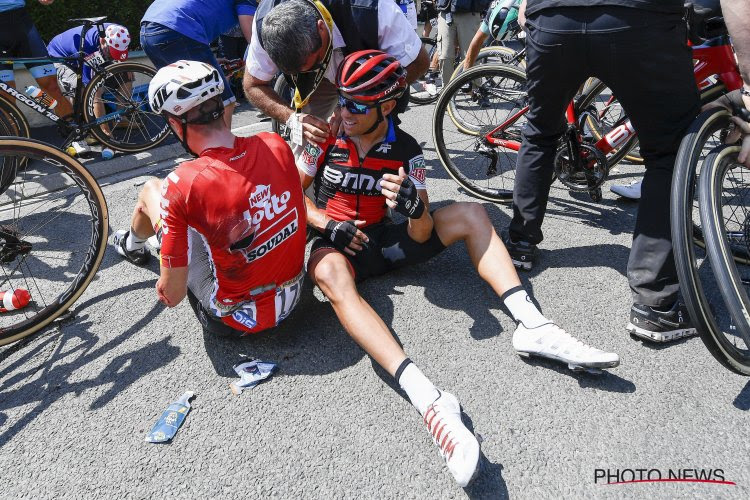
(113, 106)
(53, 233)
(477, 135)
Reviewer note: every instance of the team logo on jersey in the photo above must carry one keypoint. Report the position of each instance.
(260, 196)
(339, 154)
(417, 169)
(360, 181)
(273, 236)
(384, 147)
(310, 154)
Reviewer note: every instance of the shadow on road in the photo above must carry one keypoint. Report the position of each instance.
(604, 381)
(73, 346)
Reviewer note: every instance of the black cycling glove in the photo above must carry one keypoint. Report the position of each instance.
(341, 233)
(408, 202)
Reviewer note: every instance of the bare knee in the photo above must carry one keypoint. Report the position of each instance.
(334, 278)
(149, 197)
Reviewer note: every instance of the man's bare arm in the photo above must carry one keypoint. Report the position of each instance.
(263, 97)
(736, 15)
(418, 67)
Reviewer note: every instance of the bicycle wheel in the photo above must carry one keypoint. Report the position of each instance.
(421, 92)
(603, 112)
(53, 233)
(11, 115)
(462, 121)
(724, 194)
(707, 132)
(122, 91)
(494, 54)
(286, 92)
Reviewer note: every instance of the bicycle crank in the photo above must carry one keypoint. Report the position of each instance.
(585, 171)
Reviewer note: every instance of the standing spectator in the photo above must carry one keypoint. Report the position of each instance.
(638, 47)
(20, 38)
(457, 22)
(172, 30)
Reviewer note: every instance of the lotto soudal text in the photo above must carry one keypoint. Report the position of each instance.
(652, 475)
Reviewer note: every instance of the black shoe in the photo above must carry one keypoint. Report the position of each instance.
(522, 253)
(660, 326)
(137, 257)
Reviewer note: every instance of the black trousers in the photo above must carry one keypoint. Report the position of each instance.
(643, 58)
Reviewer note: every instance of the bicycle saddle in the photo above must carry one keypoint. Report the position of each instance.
(87, 20)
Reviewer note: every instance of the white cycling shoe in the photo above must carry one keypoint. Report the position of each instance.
(552, 342)
(457, 444)
(632, 191)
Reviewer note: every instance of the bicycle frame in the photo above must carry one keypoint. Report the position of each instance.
(74, 125)
(716, 57)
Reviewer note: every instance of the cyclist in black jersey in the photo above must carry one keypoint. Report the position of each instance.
(355, 177)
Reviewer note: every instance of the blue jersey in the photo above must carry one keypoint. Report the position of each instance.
(6, 5)
(66, 45)
(201, 20)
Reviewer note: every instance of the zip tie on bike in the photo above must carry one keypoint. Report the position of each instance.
(251, 373)
(295, 129)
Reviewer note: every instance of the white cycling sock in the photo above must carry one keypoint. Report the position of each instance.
(522, 308)
(420, 390)
(133, 242)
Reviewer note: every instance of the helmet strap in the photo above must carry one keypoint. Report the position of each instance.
(377, 122)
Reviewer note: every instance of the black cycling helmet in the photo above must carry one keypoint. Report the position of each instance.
(371, 77)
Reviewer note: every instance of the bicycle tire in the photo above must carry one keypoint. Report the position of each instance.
(418, 94)
(706, 129)
(286, 92)
(494, 54)
(140, 121)
(470, 167)
(713, 196)
(53, 215)
(13, 116)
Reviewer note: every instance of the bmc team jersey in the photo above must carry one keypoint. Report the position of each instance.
(246, 203)
(347, 187)
(66, 44)
(201, 20)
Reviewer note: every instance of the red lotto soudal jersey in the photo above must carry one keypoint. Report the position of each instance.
(347, 187)
(247, 205)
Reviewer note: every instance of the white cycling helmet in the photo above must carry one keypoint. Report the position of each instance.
(183, 85)
(117, 38)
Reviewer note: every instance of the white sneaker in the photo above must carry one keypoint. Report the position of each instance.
(457, 444)
(551, 341)
(633, 191)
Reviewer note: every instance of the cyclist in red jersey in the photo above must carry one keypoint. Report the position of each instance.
(231, 223)
(355, 177)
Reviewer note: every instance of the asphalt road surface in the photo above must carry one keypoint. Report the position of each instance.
(76, 401)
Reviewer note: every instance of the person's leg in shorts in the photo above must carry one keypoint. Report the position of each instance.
(335, 275)
(165, 46)
(446, 47)
(27, 42)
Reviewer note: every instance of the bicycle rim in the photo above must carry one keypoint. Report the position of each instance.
(484, 170)
(53, 233)
(122, 90)
(491, 55)
(724, 199)
(18, 123)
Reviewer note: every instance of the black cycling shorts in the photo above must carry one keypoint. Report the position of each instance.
(20, 38)
(390, 248)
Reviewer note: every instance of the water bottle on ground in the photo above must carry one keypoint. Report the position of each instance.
(41, 96)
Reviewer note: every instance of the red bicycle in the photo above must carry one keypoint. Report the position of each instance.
(478, 134)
